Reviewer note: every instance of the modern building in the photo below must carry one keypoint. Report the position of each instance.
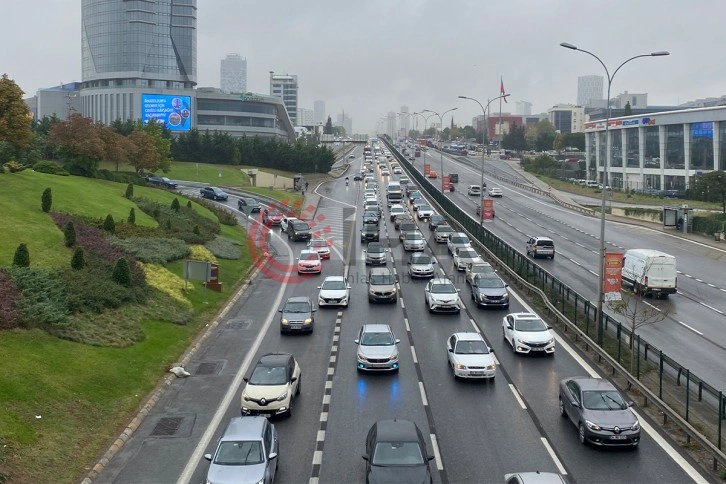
(523, 108)
(590, 91)
(319, 108)
(405, 127)
(306, 117)
(567, 118)
(345, 121)
(705, 103)
(139, 61)
(233, 74)
(639, 100)
(391, 124)
(661, 151)
(59, 101)
(595, 114)
(500, 126)
(285, 87)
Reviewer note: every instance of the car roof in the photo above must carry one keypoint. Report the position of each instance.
(380, 271)
(458, 234)
(377, 328)
(274, 359)
(542, 238)
(308, 251)
(334, 278)
(244, 428)
(524, 316)
(588, 383)
(396, 430)
(468, 336)
(478, 264)
(440, 280)
(296, 299)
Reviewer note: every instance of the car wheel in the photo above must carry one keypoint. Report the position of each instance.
(299, 384)
(289, 408)
(581, 433)
(514, 347)
(552, 256)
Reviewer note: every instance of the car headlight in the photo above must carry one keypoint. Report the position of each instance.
(635, 426)
(361, 357)
(261, 481)
(505, 296)
(492, 367)
(393, 358)
(459, 366)
(308, 321)
(550, 341)
(245, 397)
(592, 425)
(283, 321)
(282, 397)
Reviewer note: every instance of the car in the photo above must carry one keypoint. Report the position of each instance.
(385, 172)
(404, 180)
(396, 452)
(272, 217)
(373, 185)
(457, 240)
(421, 265)
(369, 179)
(414, 195)
(297, 315)
(287, 222)
(357, 177)
(309, 262)
(476, 268)
(463, 256)
(474, 190)
(442, 232)
(372, 206)
(299, 230)
(370, 217)
(375, 253)
(272, 386)
(397, 170)
(335, 291)
(527, 333)
(369, 232)
(351, 156)
(489, 290)
(599, 411)
(321, 246)
(400, 218)
(413, 241)
(248, 205)
(495, 192)
(396, 210)
(377, 348)
(247, 451)
(161, 181)
(213, 193)
(405, 228)
(433, 174)
(534, 477)
(424, 212)
(470, 357)
(382, 286)
(540, 247)
(454, 177)
(442, 296)
(370, 197)
(435, 220)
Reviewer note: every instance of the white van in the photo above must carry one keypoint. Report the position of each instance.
(592, 184)
(650, 272)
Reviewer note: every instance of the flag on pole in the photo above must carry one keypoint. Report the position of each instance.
(501, 89)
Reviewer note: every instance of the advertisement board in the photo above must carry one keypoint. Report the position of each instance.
(446, 180)
(613, 275)
(174, 112)
(487, 209)
(427, 169)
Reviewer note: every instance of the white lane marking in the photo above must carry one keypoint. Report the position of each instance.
(403, 306)
(405, 321)
(328, 384)
(437, 455)
(423, 394)
(323, 416)
(711, 307)
(517, 397)
(321, 435)
(690, 327)
(473, 325)
(326, 399)
(413, 353)
(332, 199)
(318, 457)
(552, 454)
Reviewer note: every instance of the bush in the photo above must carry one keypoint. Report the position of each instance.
(189, 204)
(22, 256)
(44, 301)
(709, 225)
(91, 289)
(10, 316)
(175, 204)
(109, 225)
(152, 250)
(224, 248)
(120, 176)
(180, 224)
(132, 215)
(129, 191)
(78, 261)
(201, 253)
(69, 234)
(167, 282)
(14, 167)
(50, 167)
(224, 216)
(46, 200)
(122, 273)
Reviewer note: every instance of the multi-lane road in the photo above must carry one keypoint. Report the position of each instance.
(476, 431)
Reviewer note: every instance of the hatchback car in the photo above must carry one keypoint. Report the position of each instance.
(435, 220)
(457, 240)
(213, 193)
(442, 232)
(396, 452)
(464, 256)
(297, 315)
(248, 205)
(442, 296)
(476, 268)
(540, 247)
(489, 290)
(527, 333)
(474, 190)
(495, 192)
(375, 253)
(599, 411)
(396, 210)
(413, 241)
(377, 348)
(369, 232)
(309, 262)
(247, 451)
(470, 357)
(421, 265)
(321, 246)
(335, 291)
(272, 386)
(382, 286)
(272, 217)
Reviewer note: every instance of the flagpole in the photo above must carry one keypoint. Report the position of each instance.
(501, 132)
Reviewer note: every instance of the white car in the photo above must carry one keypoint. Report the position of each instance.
(421, 265)
(287, 222)
(272, 386)
(309, 262)
(473, 270)
(495, 192)
(413, 241)
(470, 357)
(385, 172)
(473, 190)
(335, 291)
(457, 240)
(527, 333)
(396, 210)
(404, 180)
(425, 212)
(464, 256)
(442, 296)
(442, 232)
(397, 171)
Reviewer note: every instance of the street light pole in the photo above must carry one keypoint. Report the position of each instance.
(441, 130)
(484, 111)
(606, 166)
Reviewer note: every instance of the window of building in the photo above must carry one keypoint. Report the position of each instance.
(592, 152)
(651, 157)
(603, 147)
(652, 182)
(616, 148)
(616, 181)
(722, 145)
(701, 146)
(632, 147)
(674, 155)
(674, 183)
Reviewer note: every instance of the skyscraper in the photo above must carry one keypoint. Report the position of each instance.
(523, 108)
(133, 48)
(345, 121)
(590, 91)
(233, 74)
(319, 116)
(285, 86)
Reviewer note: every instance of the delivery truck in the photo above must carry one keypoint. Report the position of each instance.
(650, 272)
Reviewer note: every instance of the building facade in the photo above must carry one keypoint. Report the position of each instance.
(285, 87)
(662, 151)
(636, 100)
(405, 122)
(523, 108)
(345, 121)
(306, 117)
(60, 101)
(567, 118)
(319, 109)
(590, 91)
(233, 74)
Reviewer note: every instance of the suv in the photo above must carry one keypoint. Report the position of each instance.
(541, 247)
(382, 286)
(473, 190)
(299, 230)
(248, 205)
(489, 290)
(297, 315)
(375, 253)
(377, 348)
(213, 193)
(272, 386)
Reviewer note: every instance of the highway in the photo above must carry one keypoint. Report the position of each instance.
(477, 431)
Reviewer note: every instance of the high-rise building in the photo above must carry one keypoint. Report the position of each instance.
(405, 122)
(319, 116)
(391, 124)
(139, 60)
(523, 108)
(567, 118)
(345, 121)
(306, 117)
(233, 74)
(285, 86)
(590, 91)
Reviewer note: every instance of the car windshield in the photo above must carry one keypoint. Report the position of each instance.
(471, 348)
(275, 214)
(309, 256)
(382, 279)
(297, 307)
(444, 288)
(489, 282)
(413, 236)
(421, 259)
(603, 400)
(268, 375)
(318, 243)
(397, 454)
(424, 207)
(370, 214)
(377, 339)
(529, 325)
(437, 218)
(481, 269)
(460, 240)
(468, 253)
(334, 285)
(301, 226)
(242, 453)
(444, 228)
(396, 209)
(408, 226)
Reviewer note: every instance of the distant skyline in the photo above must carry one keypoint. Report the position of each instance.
(370, 58)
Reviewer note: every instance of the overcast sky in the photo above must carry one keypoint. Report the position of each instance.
(369, 57)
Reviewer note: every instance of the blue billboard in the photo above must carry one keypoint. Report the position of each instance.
(174, 112)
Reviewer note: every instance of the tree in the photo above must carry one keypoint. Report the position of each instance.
(147, 157)
(132, 217)
(575, 140)
(69, 234)
(559, 142)
(161, 138)
(328, 128)
(175, 204)
(710, 187)
(79, 144)
(109, 225)
(129, 191)
(122, 272)
(46, 200)
(78, 261)
(628, 110)
(515, 139)
(22, 256)
(117, 149)
(15, 119)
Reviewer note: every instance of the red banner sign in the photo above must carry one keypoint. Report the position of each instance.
(613, 275)
(487, 209)
(427, 169)
(446, 183)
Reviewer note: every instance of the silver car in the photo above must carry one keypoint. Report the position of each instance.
(377, 348)
(442, 232)
(457, 240)
(489, 290)
(442, 296)
(375, 253)
(421, 265)
(413, 241)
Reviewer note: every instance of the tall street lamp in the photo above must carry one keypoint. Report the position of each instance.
(606, 166)
(441, 129)
(484, 110)
(423, 133)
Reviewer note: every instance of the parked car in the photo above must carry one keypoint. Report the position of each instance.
(421, 265)
(272, 386)
(489, 290)
(377, 348)
(382, 286)
(470, 357)
(375, 253)
(213, 193)
(495, 192)
(335, 291)
(161, 181)
(474, 190)
(442, 232)
(369, 232)
(299, 230)
(527, 333)
(540, 247)
(474, 269)
(457, 240)
(413, 241)
(321, 246)
(435, 220)
(309, 262)
(396, 452)
(248, 205)
(442, 296)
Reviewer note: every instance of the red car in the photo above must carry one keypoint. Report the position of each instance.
(321, 246)
(272, 218)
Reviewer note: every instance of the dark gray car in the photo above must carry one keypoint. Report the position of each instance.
(489, 290)
(375, 253)
(297, 315)
(396, 452)
(369, 232)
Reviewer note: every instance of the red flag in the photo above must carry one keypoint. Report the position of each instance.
(501, 89)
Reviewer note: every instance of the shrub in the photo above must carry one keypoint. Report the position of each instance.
(196, 230)
(132, 215)
(152, 250)
(46, 200)
(69, 234)
(109, 225)
(122, 273)
(44, 300)
(129, 191)
(167, 282)
(91, 289)
(78, 260)
(180, 224)
(10, 316)
(224, 248)
(50, 167)
(175, 204)
(189, 204)
(225, 217)
(14, 166)
(119, 176)
(201, 253)
(22, 256)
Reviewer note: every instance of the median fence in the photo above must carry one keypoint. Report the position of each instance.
(684, 398)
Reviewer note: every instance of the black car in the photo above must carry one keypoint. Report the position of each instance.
(213, 193)
(369, 232)
(436, 220)
(161, 181)
(357, 177)
(396, 452)
(299, 230)
(248, 205)
(454, 177)
(371, 218)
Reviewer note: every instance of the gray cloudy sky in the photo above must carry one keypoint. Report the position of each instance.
(368, 57)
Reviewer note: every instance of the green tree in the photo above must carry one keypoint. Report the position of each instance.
(575, 140)
(628, 110)
(46, 200)
(109, 225)
(122, 272)
(129, 191)
(328, 128)
(161, 137)
(710, 187)
(189, 204)
(175, 205)
(545, 135)
(78, 261)
(15, 119)
(515, 139)
(132, 217)
(22, 256)
(147, 157)
(559, 142)
(69, 234)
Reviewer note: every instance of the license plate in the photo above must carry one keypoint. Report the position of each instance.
(537, 349)
(618, 437)
(476, 373)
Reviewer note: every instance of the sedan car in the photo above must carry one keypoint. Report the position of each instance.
(414, 195)
(396, 210)
(474, 269)
(272, 386)
(385, 172)
(599, 411)
(297, 315)
(161, 181)
(425, 212)
(397, 170)
(396, 452)
(309, 262)
(464, 256)
(213, 193)
(457, 240)
(248, 205)
(489, 290)
(377, 348)
(435, 220)
(526, 332)
(335, 291)
(474, 190)
(421, 265)
(442, 232)
(321, 246)
(442, 296)
(405, 228)
(371, 217)
(357, 177)
(470, 357)
(375, 253)
(495, 192)
(404, 217)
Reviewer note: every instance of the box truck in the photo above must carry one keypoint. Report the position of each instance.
(650, 271)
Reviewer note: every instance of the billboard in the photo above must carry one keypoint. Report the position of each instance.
(613, 275)
(446, 183)
(487, 209)
(173, 111)
(427, 169)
